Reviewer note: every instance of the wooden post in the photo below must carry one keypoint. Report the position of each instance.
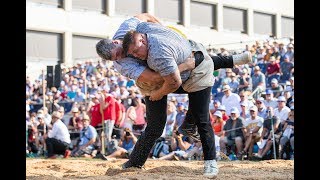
(44, 104)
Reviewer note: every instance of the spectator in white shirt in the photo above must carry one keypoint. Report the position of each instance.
(282, 111)
(58, 139)
(230, 99)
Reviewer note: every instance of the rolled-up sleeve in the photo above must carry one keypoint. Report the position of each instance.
(129, 67)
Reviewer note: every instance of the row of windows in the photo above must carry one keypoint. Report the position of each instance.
(201, 14)
(45, 45)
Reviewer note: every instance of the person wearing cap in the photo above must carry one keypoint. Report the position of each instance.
(229, 99)
(88, 138)
(181, 114)
(233, 133)
(290, 52)
(273, 70)
(58, 138)
(262, 109)
(244, 110)
(217, 123)
(276, 88)
(215, 104)
(282, 110)
(75, 125)
(234, 83)
(244, 99)
(270, 101)
(288, 136)
(41, 130)
(222, 109)
(253, 129)
(258, 80)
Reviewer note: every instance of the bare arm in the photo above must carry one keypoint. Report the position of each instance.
(146, 17)
(153, 78)
(171, 83)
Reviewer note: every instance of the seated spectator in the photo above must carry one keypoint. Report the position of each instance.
(180, 145)
(266, 142)
(287, 136)
(217, 123)
(276, 88)
(244, 111)
(270, 101)
(229, 99)
(125, 146)
(58, 139)
(273, 70)
(282, 111)
(233, 133)
(222, 109)
(253, 130)
(245, 81)
(75, 125)
(88, 137)
(262, 109)
(234, 83)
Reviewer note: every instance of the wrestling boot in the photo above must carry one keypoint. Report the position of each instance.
(190, 130)
(210, 168)
(243, 58)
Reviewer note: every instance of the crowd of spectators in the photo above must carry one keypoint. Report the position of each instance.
(248, 103)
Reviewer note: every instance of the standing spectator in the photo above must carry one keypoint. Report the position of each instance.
(229, 99)
(107, 104)
(75, 125)
(58, 139)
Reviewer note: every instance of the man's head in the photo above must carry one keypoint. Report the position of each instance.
(136, 45)
(109, 49)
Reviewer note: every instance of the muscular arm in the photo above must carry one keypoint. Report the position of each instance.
(146, 17)
(171, 83)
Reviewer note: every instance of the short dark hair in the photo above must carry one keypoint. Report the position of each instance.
(104, 47)
(127, 40)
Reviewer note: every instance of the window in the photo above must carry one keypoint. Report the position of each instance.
(44, 45)
(91, 5)
(130, 7)
(203, 14)
(235, 19)
(56, 3)
(264, 23)
(169, 10)
(84, 47)
(287, 27)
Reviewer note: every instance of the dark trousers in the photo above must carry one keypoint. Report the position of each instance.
(157, 115)
(222, 62)
(55, 146)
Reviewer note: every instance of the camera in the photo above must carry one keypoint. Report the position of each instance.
(127, 133)
(177, 133)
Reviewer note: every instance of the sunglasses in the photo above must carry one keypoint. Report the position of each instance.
(258, 102)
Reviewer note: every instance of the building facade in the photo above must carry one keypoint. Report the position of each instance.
(66, 31)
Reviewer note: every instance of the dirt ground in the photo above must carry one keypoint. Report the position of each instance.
(155, 169)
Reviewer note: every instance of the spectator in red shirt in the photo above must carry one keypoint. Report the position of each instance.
(273, 70)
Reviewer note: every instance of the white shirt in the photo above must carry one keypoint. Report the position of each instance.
(60, 131)
(252, 123)
(271, 103)
(232, 101)
(283, 114)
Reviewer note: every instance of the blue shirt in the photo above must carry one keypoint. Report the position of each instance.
(87, 134)
(166, 49)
